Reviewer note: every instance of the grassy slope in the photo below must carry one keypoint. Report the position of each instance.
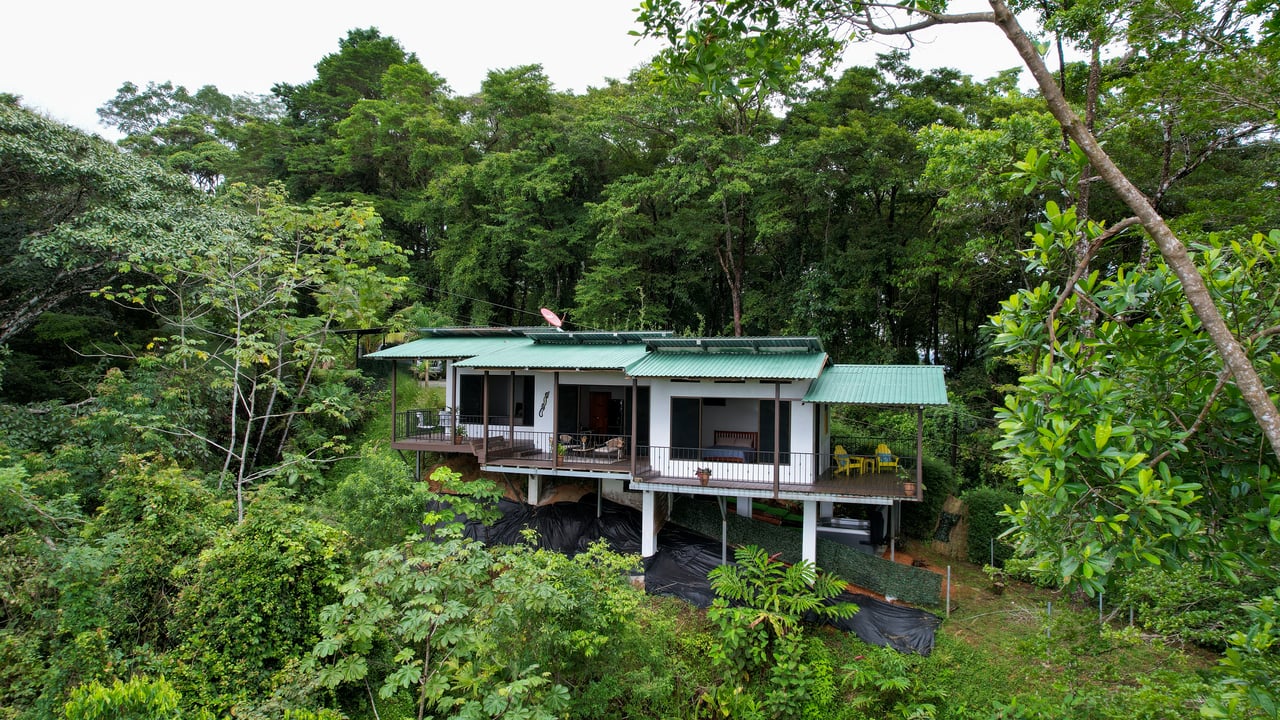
(1002, 646)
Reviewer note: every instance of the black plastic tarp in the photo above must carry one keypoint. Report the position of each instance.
(680, 566)
(566, 527)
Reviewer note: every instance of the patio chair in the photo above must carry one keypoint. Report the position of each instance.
(612, 446)
(885, 458)
(846, 463)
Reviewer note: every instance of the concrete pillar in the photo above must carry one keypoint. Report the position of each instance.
(826, 509)
(744, 506)
(809, 535)
(534, 489)
(648, 536)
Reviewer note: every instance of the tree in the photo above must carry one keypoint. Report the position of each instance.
(782, 30)
(1111, 481)
(510, 230)
(416, 617)
(253, 603)
(76, 213)
(192, 133)
(256, 311)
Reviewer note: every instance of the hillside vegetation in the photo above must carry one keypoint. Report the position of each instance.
(199, 516)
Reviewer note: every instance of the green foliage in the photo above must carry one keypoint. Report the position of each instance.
(910, 584)
(140, 698)
(75, 212)
(157, 519)
(888, 684)
(1249, 672)
(920, 519)
(759, 609)
(254, 312)
(1189, 604)
(1110, 480)
(987, 523)
(253, 602)
(381, 502)
(462, 628)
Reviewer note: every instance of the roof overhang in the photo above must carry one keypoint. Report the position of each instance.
(902, 385)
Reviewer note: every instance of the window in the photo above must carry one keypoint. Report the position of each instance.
(501, 410)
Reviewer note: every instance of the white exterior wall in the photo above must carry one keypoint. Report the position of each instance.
(731, 418)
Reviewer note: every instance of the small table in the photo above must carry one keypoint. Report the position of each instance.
(863, 463)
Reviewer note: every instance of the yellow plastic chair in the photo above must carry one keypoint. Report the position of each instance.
(885, 458)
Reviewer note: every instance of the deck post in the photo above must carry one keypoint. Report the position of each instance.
(777, 438)
(532, 493)
(635, 416)
(394, 420)
(648, 537)
(453, 401)
(511, 409)
(555, 419)
(744, 506)
(809, 535)
(484, 419)
(826, 509)
(920, 452)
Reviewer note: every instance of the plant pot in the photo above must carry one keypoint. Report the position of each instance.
(704, 478)
(909, 489)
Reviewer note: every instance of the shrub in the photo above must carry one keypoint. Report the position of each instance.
(761, 647)
(1188, 604)
(140, 698)
(920, 519)
(380, 502)
(986, 524)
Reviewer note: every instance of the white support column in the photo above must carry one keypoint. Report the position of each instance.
(648, 538)
(744, 506)
(534, 490)
(809, 541)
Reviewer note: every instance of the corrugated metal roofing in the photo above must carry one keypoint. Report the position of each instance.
(595, 336)
(726, 365)
(737, 344)
(558, 357)
(880, 385)
(449, 347)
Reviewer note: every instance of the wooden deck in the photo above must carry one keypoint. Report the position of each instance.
(754, 481)
(881, 487)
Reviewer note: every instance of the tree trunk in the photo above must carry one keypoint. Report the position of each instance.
(1171, 248)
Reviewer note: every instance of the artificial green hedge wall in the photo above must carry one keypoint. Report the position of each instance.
(909, 584)
(984, 524)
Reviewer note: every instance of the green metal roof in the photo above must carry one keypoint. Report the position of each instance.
(801, 344)
(449, 347)
(591, 337)
(879, 385)
(547, 356)
(730, 365)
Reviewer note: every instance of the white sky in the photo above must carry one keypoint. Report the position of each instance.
(68, 57)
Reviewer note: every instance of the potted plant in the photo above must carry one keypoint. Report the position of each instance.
(703, 474)
(459, 434)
